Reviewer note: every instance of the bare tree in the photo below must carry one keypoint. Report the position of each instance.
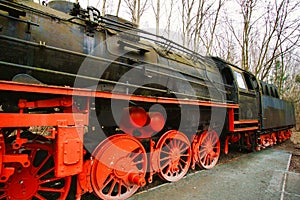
(118, 7)
(279, 31)
(225, 46)
(169, 17)
(247, 7)
(131, 4)
(199, 23)
(156, 11)
(136, 9)
(103, 7)
(264, 34)
(213, 28)
(287, 79)
(207, 20)
(187, 17)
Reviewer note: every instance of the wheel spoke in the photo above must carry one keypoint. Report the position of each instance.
(165, 158)
(168, 171)
(3, 196)
(214, 141)
(181, 145)
(166, 164)
(210, 136)
(184, 149)
(175, 143)
(126, 186)
(166, 152)
(202, 150)
(135, 155)
(47, 189)
(32, 155)
(138, 162)
(211, 159)
(184, 155)
(183, 161)
(112, 187)
(168, 146)
(180, 165)
(37, 169)
(48, 180)
(38, 196)
(45, 172)
(205, 158)
(107, 181)
(203, 153)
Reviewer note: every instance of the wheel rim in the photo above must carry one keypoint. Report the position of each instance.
(119, 167)
(36, 181)
(209, 149)
(174, 155)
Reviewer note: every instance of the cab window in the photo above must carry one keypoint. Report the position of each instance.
(249, 81)
(272, 91)
(276, 93)
(240, 80)
(267, 90)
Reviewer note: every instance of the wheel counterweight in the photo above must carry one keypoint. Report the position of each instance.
(119, 168)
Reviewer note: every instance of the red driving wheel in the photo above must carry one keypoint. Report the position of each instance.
(208, 148)
(36, 181)
(119, 167)
(174, 155)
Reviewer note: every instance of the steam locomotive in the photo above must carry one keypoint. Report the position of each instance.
(91, 103)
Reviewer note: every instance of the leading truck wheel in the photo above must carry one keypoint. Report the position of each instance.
(36, 181)
(174, 158)
(119, 167)
(208, 149)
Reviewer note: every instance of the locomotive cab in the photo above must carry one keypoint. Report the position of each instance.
(241, 88)
(248, 94)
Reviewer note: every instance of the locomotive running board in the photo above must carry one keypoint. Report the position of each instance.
(69, 91)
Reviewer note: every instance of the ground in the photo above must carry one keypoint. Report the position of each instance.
(255, 175)
(293, 146)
